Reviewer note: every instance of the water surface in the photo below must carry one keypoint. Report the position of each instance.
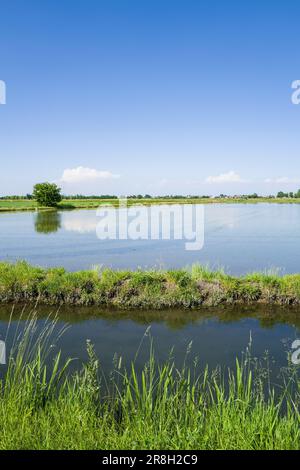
(216, 337)
(238, 237)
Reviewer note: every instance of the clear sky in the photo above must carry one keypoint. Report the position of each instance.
(150, 96)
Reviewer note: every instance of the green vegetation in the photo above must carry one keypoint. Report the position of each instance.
(47, 194)
(158, 407)
(290, 195)
(195, 288)
(8, 205)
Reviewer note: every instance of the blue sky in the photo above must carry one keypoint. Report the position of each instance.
(152, 96)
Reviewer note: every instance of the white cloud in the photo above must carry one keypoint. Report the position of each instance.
(82, 174)
(230, 177)
(283, 180)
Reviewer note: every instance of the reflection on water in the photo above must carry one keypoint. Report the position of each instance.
(241, 238)
(47, 221)
(238, 237)
(218, 336)
(80, 225)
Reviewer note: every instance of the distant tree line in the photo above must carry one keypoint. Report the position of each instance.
(280, 195)
(296, 195)
(81, 196)
(16, 198)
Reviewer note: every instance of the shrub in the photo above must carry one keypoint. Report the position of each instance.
(47, 194)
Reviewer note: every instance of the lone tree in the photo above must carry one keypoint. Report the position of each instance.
(47, 194)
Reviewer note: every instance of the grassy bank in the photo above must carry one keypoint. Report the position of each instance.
(30, 205)
(193, 288)
(158, 407)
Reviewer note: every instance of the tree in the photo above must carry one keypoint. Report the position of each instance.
(281, 194)
(47, 194)
(297, 194)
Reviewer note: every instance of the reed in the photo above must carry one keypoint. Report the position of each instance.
(42, 406)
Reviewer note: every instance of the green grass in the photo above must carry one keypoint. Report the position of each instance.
(194, 288)
(159, 407)
(30, 205)
(18, 205)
